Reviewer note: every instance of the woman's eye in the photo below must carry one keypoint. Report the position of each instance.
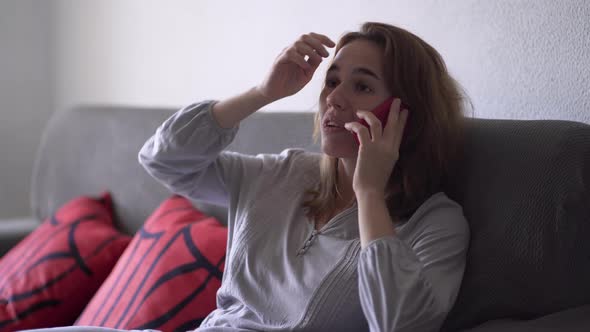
(330, 83)
(363, 88)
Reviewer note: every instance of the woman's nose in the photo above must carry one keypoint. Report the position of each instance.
(335, 99)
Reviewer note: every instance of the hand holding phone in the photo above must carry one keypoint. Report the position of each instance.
(382, 113)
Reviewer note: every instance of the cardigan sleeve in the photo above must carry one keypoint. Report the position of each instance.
(412, 285)
(187, 154)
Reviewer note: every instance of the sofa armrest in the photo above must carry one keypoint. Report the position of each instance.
(571, 320)
(15, 229)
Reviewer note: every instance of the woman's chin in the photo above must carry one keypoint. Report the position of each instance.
(340, 151)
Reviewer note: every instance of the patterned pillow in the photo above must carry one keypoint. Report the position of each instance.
(168, 277)
(48, 278)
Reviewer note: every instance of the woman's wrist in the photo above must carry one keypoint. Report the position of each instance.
(262, 99)
(369, 196)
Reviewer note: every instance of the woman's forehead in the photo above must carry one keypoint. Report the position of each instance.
(359, 53)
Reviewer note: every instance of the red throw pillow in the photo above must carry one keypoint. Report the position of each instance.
(168, 277)
(48, 278)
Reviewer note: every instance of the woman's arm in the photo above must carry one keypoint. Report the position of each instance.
(185, 152)
(230, 112)
(374, 219)
(185, 155)
(290, 72)
(412, 285)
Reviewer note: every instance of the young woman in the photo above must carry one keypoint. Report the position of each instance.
(358, 238)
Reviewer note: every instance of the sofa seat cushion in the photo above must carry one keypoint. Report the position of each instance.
(571, 320)
(48, 278)
(168, 277)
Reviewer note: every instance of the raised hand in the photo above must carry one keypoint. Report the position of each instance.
(295, 66)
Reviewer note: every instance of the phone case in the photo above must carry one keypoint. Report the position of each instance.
(381, 112)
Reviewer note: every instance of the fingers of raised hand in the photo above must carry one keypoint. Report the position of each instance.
(323, 38)
(305, 49)
(317, 42)
(308, 50)
(292, 55)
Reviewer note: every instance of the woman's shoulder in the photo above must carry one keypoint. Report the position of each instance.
(438, 200)
(274, 161)
(289, 165)
(438, 213)
(293, 159)
(302, 154)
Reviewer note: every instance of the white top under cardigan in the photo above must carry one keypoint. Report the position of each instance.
(281, 274)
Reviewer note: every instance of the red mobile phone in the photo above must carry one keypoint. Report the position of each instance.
(381, 112)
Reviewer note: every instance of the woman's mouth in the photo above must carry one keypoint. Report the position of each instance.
(333, 128)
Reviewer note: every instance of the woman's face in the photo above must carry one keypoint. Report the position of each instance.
(355, 81)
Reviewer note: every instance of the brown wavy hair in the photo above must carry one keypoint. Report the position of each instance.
(415, 72)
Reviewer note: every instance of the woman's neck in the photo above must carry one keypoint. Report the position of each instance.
(344, 184)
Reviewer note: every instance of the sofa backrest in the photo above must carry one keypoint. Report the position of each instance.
(91, 149)
(524, 187)
(525, 190)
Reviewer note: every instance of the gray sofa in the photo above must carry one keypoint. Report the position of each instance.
(524, 186)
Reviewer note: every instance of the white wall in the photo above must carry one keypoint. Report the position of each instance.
(25, 96)
(517, 59)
